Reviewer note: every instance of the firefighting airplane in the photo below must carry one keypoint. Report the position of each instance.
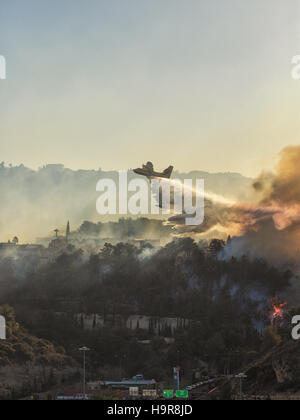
(148, 171)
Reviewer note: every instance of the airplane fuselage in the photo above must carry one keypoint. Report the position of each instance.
(149, 174)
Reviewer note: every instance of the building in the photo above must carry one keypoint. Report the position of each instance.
(138, 382)
(7, 246)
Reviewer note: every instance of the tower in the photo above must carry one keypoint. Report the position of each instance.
(68, 231)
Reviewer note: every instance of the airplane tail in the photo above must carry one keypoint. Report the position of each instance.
(168, 171)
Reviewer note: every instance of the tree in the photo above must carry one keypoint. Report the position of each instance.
(216, 246)
(15, 241)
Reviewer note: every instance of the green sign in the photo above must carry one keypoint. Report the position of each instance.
(182, 394)
(168, 393)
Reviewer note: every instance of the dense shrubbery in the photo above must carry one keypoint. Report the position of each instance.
(21, 347)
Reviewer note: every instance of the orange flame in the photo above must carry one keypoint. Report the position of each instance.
(278, 310)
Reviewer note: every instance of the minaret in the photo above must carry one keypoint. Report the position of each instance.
(68, 231)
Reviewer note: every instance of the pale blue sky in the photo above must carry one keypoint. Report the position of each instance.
(113, 83)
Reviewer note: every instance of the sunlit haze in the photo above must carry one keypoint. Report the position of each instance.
(201, 85)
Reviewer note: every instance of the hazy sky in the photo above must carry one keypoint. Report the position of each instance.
(201, 84)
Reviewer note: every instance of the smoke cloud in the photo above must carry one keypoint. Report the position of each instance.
(270, 226)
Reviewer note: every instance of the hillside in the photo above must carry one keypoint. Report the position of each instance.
(151, 305)
(29, 364)
(277, 371)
